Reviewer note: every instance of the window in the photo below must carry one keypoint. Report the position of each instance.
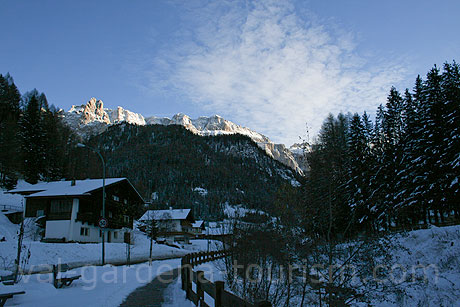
(125, 201)
(40, 213)
(126, 218)
(115, 198)
(84, 231)
(110, 214)
(61, 206)
(115, 234)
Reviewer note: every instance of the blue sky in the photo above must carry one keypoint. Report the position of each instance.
(269, 65)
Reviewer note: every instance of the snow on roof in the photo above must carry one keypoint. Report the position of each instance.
(64, 188)
(171, 214)
(197, 224)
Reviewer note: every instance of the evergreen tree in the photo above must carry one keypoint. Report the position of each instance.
(9, 144)
(327, 211)
(32, 139)
(360, 168)
(451, 96)
(434, 136)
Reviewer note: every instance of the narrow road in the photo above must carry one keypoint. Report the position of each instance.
(152, 293)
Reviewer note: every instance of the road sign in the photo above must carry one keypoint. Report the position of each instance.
(103, 223)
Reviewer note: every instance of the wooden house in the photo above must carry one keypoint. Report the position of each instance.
(72, 209)
(198, 228)
(172, 224)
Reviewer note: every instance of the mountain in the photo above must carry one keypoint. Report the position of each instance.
(92, 118)
(176, 167)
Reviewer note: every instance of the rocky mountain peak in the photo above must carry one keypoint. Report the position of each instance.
(92, 118)
(94, 111)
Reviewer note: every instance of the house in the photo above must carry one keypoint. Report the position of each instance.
(198, 228)
(72, 209)
(172, 224)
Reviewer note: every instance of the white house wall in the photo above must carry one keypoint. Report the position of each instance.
(93, 234)
(71, 229)
(57, 229)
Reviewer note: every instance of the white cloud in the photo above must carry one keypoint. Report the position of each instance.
(267, 67)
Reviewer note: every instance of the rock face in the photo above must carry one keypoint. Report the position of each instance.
(216, 125)
(94, 111)
(92, 118)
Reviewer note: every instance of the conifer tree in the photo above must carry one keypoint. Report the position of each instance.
(32, 139)
(451, 96)
(9, 144)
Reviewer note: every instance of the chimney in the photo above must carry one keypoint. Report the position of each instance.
(73, 182)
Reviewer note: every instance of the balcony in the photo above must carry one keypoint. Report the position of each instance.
(52, 216)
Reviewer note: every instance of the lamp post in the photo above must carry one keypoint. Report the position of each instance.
(80, 145)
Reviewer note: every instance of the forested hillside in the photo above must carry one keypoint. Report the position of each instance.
(184, 170)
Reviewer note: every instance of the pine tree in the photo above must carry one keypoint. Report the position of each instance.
(32, 139)
(451, 95)
(434, 134)
(9, 144)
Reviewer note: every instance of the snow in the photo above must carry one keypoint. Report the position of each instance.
(435, 251)
(75, 254)
(438, 247)
(12, 200)
(239, 211)
(201, 191)
(171, 214)
(197, 224)
(65, 188)
(174, 296)
(98, 286)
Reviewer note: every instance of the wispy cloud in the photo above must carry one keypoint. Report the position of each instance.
(268, 67)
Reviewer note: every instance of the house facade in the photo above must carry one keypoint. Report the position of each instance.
(172, 224)
(72, 209)
(198, 228)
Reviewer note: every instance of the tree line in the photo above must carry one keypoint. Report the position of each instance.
(34, 143)
(399, 171)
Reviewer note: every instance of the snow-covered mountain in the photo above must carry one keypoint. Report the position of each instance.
(92, 118)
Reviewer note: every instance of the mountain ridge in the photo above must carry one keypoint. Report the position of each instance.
(92, 118)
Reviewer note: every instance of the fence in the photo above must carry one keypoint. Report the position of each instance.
(216, 289)
(10, 207)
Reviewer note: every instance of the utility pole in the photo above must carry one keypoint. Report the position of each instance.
(80, 145)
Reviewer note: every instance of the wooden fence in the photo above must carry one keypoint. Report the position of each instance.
(215, 290)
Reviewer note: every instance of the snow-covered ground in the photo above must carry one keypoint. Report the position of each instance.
(42, 254)
(438, 251)
(98, 286)
(432, 253)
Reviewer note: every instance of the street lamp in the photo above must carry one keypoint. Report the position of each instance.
(80, 145)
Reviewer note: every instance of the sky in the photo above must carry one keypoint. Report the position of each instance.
(276, 67)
